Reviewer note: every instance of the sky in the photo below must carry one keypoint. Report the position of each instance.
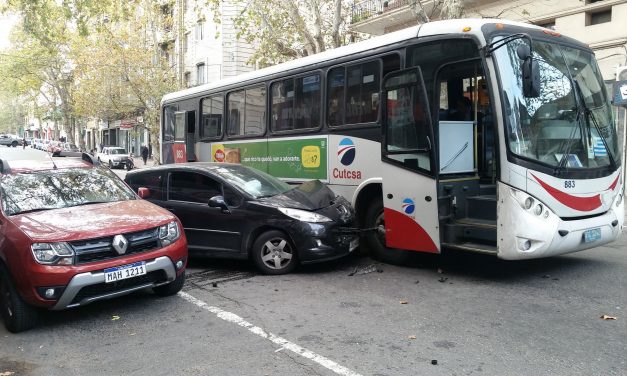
(6, 23)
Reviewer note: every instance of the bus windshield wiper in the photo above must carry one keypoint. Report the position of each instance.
(589, 115)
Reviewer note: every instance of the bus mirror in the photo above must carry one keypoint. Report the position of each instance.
(530, 72)
(531, 78)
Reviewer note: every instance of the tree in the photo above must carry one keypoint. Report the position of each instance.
(282, 30)
(426, 11)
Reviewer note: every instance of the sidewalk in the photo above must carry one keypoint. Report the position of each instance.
(139, 163)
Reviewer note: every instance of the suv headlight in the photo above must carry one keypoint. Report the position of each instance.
(305, 216)
(53, 253)
(169, 233)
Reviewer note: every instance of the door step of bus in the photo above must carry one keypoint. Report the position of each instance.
(481, 207)
(487, 189)
(470, 230)
(472, 247)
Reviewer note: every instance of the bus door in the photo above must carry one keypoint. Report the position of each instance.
(409, 180)
(190, 136)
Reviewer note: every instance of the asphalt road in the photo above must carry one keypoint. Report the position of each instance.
(473, 314)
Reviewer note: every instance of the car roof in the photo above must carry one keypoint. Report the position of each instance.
(191, 166)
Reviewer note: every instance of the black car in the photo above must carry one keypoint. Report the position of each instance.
(229, 210)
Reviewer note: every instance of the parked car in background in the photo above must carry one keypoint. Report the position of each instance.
(114, 156)
(9, 140)
(36, 144)
(229, 210)
(54, 148)
(69, 150)
(74, 233)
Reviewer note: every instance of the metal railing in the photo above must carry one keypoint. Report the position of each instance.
(366, 9)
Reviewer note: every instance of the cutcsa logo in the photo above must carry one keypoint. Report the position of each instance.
(408, 206)
(346, 152)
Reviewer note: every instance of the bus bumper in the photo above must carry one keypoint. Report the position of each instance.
(521, 234)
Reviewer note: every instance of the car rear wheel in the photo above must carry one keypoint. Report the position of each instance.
(171, 288)
(273, 253)
(375, 240)
(18, 316)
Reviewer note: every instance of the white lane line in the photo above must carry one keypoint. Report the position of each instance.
(287, 345)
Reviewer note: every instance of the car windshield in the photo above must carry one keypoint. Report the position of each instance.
(55, 189)
(254, 182)
(568, 124)
(117, 151)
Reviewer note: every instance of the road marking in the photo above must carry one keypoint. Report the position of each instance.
(287, 345)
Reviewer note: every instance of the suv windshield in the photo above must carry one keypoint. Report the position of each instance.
(552, 128)
(54, 189)
(117, 151)
(254, 182)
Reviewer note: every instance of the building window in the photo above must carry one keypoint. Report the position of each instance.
(598, 17)
(185, 42)
(200, 74)
(187, 79)
(200, 26)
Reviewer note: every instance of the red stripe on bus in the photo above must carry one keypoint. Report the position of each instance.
(344, 148)
(611, 188)
(573, 202)
(401, 231)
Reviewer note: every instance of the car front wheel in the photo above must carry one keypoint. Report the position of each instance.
(273, 253)
(18, 316)
(110, 165)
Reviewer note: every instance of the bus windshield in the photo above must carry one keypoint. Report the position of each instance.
(570, 124)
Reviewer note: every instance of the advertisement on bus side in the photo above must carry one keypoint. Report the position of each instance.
(296, 158)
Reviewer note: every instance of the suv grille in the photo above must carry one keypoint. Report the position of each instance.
(108, 288)
(99, 249)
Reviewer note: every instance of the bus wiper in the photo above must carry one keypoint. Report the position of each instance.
(588, 114)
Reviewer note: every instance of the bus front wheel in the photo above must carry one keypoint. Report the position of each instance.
(375, 240)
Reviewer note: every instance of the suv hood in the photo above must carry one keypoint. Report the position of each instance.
(91, 221)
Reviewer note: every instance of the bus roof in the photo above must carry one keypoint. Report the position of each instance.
(432, 28)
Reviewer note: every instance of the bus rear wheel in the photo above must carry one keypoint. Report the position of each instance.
(375, 240)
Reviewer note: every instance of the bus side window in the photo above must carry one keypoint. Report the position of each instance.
(211, 123)
(335, 96)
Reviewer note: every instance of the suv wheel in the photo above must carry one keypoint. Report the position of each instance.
(172, 287)
(273, 253)
(110, 164)
(18, 316)
(14, 144)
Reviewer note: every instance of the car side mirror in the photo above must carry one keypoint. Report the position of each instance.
(143, 192)
(218, 202)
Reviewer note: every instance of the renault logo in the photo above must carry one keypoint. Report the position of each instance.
(120, 244)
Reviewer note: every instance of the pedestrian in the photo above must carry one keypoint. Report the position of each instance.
(101, 146)
(24, 143)
(144, 153)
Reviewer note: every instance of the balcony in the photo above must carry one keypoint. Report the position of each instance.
(376, 17)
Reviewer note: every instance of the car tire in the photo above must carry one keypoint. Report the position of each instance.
(171, 288)
(17, 315)
(111, 165)
(273, 253)
(375, 240)
(14, 144)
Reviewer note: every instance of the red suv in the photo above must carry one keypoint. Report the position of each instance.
(73, 233)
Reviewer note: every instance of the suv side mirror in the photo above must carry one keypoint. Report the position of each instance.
(143, 192)
(218, 202)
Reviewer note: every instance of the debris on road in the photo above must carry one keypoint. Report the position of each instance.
(434, 362)
(403, 302)
(417, 281)
(115, 317)
(214, 284)
(608, 317)
(442, 279)
(7, 373)
(411, 337)
(365, 270)
(440, 271)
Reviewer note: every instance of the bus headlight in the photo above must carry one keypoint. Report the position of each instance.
(538, 209)
(528, 203)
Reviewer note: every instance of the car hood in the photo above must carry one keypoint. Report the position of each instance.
(91, 221)
(312, 195)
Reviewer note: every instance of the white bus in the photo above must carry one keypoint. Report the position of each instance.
(481, 135)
